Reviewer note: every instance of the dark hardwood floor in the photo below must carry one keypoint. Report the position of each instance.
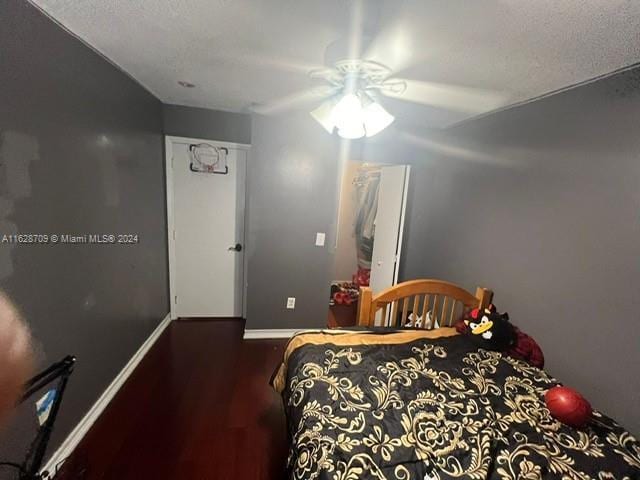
(198, 406)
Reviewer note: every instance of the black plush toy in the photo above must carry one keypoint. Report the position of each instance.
(490, 330)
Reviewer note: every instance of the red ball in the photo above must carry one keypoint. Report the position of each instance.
(568, 406)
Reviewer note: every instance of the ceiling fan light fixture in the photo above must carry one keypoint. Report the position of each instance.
(355, 115)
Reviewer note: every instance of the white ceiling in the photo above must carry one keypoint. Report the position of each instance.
(240, 52)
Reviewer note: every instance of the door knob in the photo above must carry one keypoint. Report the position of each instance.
(237, 247)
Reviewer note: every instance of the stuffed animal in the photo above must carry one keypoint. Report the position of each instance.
(489, 329)
(417, 321)
(493, 331)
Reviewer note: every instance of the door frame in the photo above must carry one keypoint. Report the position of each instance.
(171, 248)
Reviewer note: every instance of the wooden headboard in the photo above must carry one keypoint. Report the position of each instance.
(442, 301)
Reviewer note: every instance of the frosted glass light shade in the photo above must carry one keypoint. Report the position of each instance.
(348, 112)
(352, 131)
(324, 115)
(376, 119)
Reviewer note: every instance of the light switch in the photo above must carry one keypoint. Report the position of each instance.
(291, 303)
(320, 236)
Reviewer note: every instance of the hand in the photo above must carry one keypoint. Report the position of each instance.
(16, 356)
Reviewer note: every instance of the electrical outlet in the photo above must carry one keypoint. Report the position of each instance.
(291, 303)
(320, 236)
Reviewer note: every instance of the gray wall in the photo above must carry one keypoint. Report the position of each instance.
(292, 184)
(81, 152)
(541, 203)
(207, 124)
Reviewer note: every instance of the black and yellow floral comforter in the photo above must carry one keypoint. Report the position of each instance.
(399, 406)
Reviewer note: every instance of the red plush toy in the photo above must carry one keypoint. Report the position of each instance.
(527, 349)
(568, 406)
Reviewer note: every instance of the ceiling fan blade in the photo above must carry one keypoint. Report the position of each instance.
(391, 36)
(391, 47)
(452, 97)
(293, 101)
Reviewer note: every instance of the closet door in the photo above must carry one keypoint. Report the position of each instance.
(389, 224)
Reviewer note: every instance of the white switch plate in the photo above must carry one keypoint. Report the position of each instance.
(291, 303)
(320, 236)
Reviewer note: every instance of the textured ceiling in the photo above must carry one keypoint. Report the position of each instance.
(240, 52)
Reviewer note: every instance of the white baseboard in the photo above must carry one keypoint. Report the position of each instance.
(274, 333)
(72, 441)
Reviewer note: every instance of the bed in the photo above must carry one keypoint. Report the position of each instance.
(412, 404)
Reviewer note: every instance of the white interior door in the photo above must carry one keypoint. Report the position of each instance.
(207, 242)
(389, 224)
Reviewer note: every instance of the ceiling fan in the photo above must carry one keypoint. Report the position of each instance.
(352, 90)
(352, 107)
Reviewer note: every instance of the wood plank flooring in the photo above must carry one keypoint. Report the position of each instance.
(198, 406)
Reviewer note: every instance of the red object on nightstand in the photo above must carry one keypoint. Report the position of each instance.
(568, 406)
